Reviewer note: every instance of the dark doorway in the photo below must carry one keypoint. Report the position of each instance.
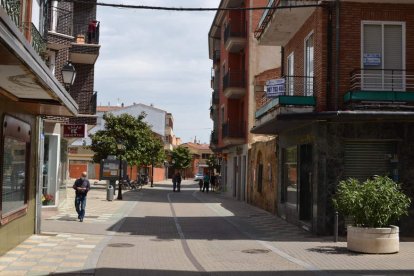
(305, 184)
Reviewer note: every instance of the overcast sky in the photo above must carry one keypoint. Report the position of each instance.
(159, 58)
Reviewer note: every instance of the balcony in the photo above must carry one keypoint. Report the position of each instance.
(13, 9)
(215, 97)
(373, 88)
(35, 38)
(277, 26)
(288, 95)
(233, 133)
(234, 38)
(216, 56)
(85, 50)
(213, 139)
(234, 84)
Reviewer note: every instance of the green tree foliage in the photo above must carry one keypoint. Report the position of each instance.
(212, 162)
(377, 202)
(181, 158)
(133, 133)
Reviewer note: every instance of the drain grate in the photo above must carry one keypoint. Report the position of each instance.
(120, 245)
(256, 251)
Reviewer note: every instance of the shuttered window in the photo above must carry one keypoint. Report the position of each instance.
(366, 159)
(383, 56)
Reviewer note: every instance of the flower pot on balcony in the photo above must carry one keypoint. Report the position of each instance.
(80, 39)
(373, 240)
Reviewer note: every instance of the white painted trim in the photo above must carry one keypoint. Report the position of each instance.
(304, 60)
(291, 56)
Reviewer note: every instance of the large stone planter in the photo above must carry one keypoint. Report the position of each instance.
(373, 240)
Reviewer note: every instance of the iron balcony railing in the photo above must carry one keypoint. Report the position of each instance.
(215, 97)
(60, 21)
(234, 79)
(289, 86)
(233, 129)
(216, 56)
(86, 100)
(13, 9)
(88, 31)
(213, 138)
(231, 31)
(382, 80)
(36, 39)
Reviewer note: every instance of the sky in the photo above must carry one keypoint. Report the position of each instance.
(159, 58)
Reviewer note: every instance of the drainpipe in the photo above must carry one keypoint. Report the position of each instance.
(337, 46)
(282, 63)
(329, 59)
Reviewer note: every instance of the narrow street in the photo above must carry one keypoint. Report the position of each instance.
(154, 231)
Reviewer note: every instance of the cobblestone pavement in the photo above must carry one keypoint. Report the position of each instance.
(157, 232)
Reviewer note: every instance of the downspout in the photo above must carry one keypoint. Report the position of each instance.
(329, 59)
(282, 59)
(337, 46)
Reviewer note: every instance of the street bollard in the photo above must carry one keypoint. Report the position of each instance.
(336, 227)
(110, 193)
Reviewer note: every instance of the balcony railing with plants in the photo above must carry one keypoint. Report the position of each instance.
(13, 9)
(381, 85)
(86, 32)
(234, 79)
(233, 129)
(230, 31)
(287, 91)
(60, 21)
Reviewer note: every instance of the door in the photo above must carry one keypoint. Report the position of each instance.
(305, 183)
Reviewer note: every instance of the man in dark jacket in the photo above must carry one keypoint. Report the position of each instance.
(82, 187)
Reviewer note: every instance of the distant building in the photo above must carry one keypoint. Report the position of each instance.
(161, 122)
(200, 153)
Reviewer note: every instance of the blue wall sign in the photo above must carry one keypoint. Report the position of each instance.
(372, 59)
(275, 88)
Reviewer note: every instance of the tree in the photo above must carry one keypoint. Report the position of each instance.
(131, 132)
(156, 154)
(181, 158)
(213, 163)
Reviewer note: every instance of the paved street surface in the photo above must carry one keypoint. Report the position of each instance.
(154, 231)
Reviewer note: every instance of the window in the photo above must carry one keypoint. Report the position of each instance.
(205, 156)
(383, 60)
(309, 56)
(14, 181)
(291, 73)
(290, 175)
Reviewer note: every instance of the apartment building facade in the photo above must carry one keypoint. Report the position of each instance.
(345, 103)
(28, 92)
(237, 58)
(200, 153)
(72, 36)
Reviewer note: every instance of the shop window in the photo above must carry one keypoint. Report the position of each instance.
(14, 169)
(290, 175)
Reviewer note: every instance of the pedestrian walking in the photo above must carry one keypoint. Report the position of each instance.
(206, 182)
(213, 182)
(174, 181)
(200, 183)
(178, 178)
(81, 187)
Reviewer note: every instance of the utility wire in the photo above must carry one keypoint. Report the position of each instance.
(143, 7)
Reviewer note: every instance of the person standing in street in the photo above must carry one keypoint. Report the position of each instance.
(174, 181)
(81, 187)
(178, 179)
(206, 182)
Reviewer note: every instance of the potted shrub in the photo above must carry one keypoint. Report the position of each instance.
(47, 199)
(373, 205)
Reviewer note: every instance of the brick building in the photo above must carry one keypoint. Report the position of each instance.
(200, 153)
(237, 59)
(29, 92)
(72, 35)
(347, 106)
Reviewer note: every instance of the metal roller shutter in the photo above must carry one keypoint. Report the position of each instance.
(365, 159)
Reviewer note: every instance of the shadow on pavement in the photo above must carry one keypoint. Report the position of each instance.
(150, 272)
